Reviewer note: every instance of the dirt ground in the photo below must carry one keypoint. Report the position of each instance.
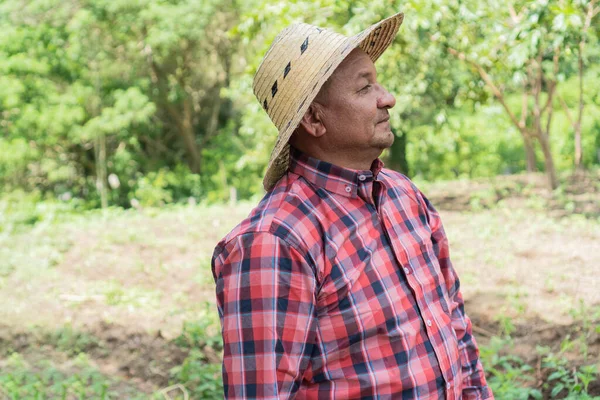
(129, 281)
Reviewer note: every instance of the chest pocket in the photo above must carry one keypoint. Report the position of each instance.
(411, 239)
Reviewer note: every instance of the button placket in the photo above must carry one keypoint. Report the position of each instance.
(413, 277)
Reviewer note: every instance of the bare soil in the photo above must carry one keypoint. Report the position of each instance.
(523, 253)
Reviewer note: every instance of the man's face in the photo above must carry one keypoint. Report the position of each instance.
(355, 107)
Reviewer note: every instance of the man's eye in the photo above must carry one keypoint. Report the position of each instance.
(366, 88)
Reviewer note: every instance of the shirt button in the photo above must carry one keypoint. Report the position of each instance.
(406, 271)
(448, 385)
(361, 178)
(348, 189)
(429, 322)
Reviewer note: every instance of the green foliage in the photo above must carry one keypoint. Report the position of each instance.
(203, 332)
(512, 378)
(202, 379)
(116, 294)
(153, 100)
(71, 341)
(165, 186)
(198, 373)
(508, 375)
(564, 380)
(19, 380)
(20, 210)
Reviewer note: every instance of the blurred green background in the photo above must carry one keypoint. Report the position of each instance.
(150, 102)
(130, 142)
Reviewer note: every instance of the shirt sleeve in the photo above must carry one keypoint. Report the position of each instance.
(474, 383)
(266, 301)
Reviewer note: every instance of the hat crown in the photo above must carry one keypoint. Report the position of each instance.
(300, 60)
(291, 68)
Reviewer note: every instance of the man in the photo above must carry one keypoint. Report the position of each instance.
(339, 284)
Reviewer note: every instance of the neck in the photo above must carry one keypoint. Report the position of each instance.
(355, 161)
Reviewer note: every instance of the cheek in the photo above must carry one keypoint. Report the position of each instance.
(362, 112)
(365, 111)
(369, 113)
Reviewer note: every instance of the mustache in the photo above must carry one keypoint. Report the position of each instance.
(385, 118)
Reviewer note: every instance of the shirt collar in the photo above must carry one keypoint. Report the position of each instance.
(333, 178)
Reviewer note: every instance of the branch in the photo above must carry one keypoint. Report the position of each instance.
(550, 111)
(154, 143)
(157, 77)
(524, 108)
(566, 108)
(536, 90)
(488, 80)
(581, 104)
(211, 128)
(591, 13)
(515, 18)
(552, 83)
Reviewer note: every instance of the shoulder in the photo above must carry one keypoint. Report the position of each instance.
(283, 214)
(399, 184)
(399, 187)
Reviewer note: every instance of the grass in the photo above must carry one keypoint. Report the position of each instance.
(561, 370)
(128, 298)
(21, 380)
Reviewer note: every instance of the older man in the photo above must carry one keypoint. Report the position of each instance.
(339, 284)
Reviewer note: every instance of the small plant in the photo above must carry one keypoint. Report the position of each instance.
(205, 331)
(590, 324)
(509, 376)
(73, 342)
(564, 380)
(20, 380)
(136, 297)
(199, 373)
(512, 378)
(506, 325)
(202, 379)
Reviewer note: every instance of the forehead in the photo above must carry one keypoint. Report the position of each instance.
(355, 66)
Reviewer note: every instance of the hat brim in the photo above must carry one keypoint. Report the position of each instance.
(373, 41)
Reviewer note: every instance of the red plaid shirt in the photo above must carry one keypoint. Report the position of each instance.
(339, 286)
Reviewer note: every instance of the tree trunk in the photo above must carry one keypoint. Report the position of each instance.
(529, 153)
(520, 125)
(591, 12)
(578, 149)
(189, 139)
(101, 172)
(548, 160)
(193, 154)
(397, 154)
(183, 119)
(578, 144)
(543, 134)
(99, 141)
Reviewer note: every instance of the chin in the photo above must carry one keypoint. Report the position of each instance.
(384, 140)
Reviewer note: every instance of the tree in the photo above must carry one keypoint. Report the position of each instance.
(117, 87)
(581, 28)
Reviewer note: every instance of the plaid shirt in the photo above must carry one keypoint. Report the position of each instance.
(339, 286)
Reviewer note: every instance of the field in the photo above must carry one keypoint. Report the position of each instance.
(120, 304)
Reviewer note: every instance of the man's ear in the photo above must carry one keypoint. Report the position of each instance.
(312, 121)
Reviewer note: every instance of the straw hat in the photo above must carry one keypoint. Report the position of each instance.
(301, 58)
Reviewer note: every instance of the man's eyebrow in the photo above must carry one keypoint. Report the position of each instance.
(365, 74)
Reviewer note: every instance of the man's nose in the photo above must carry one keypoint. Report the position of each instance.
(386, 100)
